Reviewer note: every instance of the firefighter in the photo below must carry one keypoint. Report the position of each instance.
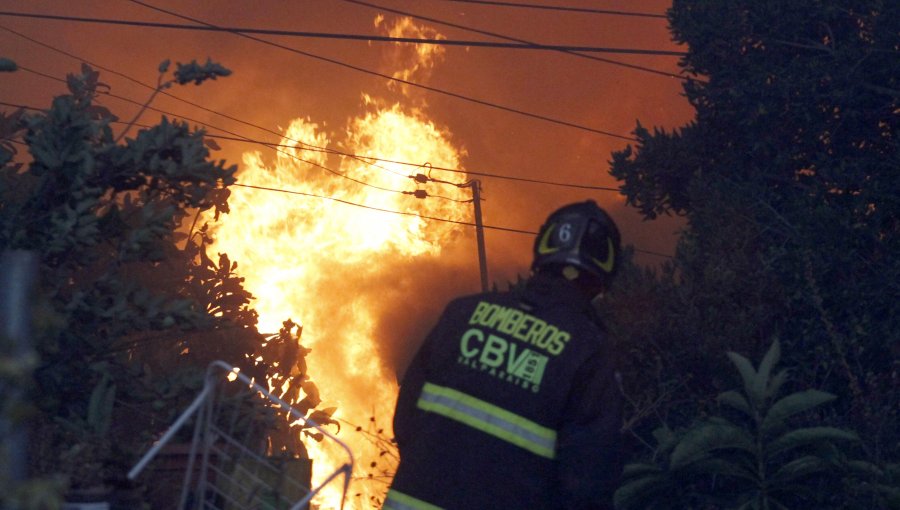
(511, 402)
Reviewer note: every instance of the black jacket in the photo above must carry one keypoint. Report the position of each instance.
(511, 402)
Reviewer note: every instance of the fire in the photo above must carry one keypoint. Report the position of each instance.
(418, 63)
(315, 260)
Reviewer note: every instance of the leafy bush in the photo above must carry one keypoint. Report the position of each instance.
(760, 460)
(133, 306)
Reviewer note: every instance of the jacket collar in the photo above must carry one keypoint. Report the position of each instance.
(548, 289)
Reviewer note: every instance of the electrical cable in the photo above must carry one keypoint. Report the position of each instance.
(183, 117)
(563, 8)
(308, 146)
(379, 209)
(240, 138)
(457, 170)
(405, 213)
(347, 202)
(352, 37)
(399, 80)
(245, 139)
(524, 41)
(448, 169)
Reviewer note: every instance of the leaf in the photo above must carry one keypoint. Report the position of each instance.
(776, 382)
(807, 436)
(209, 142)
(790, 405)
(798, 468)
(194, 72)
(312, 392)
(748, 375)
(722, 467)
(761, 381)
(736, 401)
(322, 417)
(7, 65)
(100, 406)
(304, 405)
(865, 468)
(318, 436)
(636, 469)
(164, 65)
(706, 438)
(639, 493)
(665, 438)
(96, 112)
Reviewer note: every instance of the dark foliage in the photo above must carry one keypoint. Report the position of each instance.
(132, 307)
(788, 180)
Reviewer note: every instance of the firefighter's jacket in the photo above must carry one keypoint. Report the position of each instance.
(510, 403)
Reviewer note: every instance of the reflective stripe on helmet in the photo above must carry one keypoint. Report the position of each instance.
(396, 500)
(544, 247)
(489, 419)
(607, 265)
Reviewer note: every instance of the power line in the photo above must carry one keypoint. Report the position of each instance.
(308, 147)
(351, 37)
(417, 193)
(390, 211)
(399, 80)
(448, 169)
(421, 194)
(406, 213)
(563, 8)
(524, 41)
(355, 204)
(183, 117)
(274, 146)
(22, 106)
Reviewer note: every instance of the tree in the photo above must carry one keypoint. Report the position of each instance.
(133, 307)
(788, 180)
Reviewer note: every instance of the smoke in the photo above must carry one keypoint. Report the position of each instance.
(416, 292)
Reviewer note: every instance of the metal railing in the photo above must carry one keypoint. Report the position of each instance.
(228, 467)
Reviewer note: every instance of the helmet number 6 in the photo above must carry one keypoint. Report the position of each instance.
(565, 232)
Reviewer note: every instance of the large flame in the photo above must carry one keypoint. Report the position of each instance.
(314, 259)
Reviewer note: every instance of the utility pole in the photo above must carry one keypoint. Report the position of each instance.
(479, 232)
(475, 184)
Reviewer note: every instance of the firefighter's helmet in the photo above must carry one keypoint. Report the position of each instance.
(579, 236)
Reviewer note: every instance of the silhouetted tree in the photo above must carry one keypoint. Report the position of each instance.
(788, 180)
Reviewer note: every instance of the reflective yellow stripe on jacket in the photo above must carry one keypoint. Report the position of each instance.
(396, 500)
(489, 419)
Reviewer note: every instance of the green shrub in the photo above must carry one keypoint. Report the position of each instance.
(760, 460)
